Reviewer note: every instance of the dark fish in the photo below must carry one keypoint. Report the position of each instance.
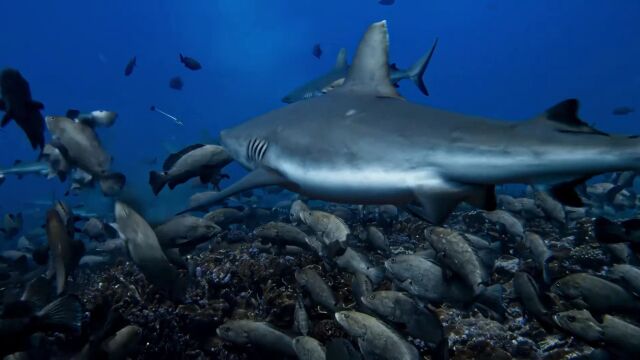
(128, 70)
(623, 110)
(196, 160)
(259, 334)
(16, 102)
(387, 2)
(65, 251)
(176, 83)
(190, 63)
(317, 51)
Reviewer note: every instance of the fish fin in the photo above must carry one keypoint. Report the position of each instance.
(73, 114)
(369, 72)
(65, 312)
(36, 105)
(341, 60)
(416, 72)
(173, 158)
(3, 105)
(38, 291)
(566, 194)
(436, 206)
(484, 197)
(257, 178)
(157, 181)
(5, 119)
(565, 113)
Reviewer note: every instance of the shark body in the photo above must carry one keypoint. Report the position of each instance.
(363, 143)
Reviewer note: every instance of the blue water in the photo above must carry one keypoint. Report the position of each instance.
(502, 59)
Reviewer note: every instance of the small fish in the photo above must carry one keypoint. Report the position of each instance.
(526, 289)
(310, 281)
(598, 295)
(17, 104)
(190, 63)
(185, 231)
(623, 110)
(128, 70)
(66, 252)
(308, 348)
(317, 51)
(147, 254)
(356, 262)
(198, 160)
(618, 336)
(159, 111)
(224, 217)
(176, 83)
(98, 230)
(375, 338)
(301, 320)
(259, 334)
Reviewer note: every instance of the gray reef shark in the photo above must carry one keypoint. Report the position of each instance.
(335, 78)
(363, 143)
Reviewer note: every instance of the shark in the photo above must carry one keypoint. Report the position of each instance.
(336, 76)
(21, 169)
(363, 143)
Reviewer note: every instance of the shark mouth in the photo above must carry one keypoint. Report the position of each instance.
(256, 149)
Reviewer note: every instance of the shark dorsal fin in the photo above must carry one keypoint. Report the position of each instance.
(341, 60)
(369, 72)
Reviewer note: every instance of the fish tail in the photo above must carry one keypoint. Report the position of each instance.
(417, 70)
(157, 181)
(64, 312)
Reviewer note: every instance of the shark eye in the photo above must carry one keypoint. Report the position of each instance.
(571, 318)
(393, 260)
(372, 297)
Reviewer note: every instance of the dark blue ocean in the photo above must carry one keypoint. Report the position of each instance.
(502, 59)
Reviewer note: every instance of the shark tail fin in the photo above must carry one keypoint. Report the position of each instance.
(417, 70)
(157, 182)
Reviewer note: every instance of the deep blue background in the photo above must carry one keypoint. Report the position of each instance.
(503, 59)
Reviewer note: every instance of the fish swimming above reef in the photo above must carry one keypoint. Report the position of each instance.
(17, 104)
(364, 143)
(336, 76)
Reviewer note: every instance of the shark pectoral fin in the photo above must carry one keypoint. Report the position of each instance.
(257, 178)
(435, 207)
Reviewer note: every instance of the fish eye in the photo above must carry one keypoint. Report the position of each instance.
(372, 297)
(393, 260)
(571, 318)
(346, 316)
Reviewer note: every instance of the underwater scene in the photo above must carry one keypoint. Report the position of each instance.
(340, 180)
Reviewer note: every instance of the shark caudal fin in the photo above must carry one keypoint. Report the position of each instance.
(417, 70)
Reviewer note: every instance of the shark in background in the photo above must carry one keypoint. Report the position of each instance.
(363, 143)
(336, 76)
